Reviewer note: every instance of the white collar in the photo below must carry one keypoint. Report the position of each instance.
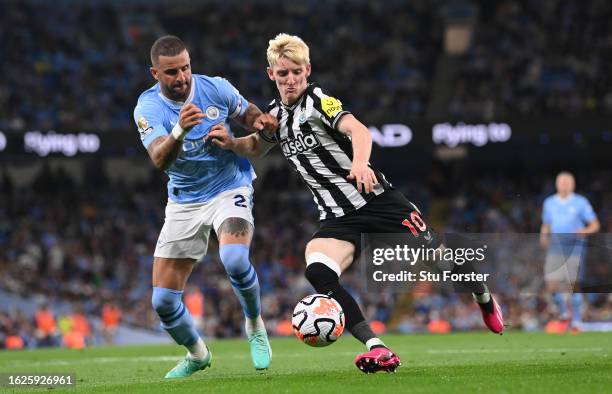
(180, 104)
(569, 196)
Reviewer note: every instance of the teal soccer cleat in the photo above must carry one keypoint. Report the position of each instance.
(261, 352)
(188, 367)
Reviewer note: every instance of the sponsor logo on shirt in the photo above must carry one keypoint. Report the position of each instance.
(300, 144)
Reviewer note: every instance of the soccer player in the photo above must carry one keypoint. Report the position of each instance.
(208, 188)
(330, 149)
(566, 219)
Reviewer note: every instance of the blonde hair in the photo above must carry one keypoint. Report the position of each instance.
(291, 47)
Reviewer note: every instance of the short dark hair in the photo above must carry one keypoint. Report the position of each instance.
(166, 46)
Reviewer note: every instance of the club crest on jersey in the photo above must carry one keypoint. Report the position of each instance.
(300, 144)
(302, 119)
(143, 127)
(212, 112)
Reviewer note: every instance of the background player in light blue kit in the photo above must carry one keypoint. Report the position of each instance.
(208, 188)
(568, 217)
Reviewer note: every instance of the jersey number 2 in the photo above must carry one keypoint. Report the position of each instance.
(240, 201)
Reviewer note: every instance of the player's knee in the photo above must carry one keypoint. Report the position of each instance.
(235, 258)
(340, 252)
(165, 301)
(320, 275)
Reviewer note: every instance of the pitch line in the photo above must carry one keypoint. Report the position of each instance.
(154, 359)
(537, 350)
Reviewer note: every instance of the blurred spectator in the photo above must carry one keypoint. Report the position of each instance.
(438, 325)
(65, 324)
(13, 341)
(73, 339)
(46, 328)
(81, 325)
(111, 316)
(378, 327)
(194, 301)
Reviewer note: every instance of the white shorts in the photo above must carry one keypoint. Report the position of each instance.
(187, 226)
(563, 268)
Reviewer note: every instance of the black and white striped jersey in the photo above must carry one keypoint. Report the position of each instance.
(319, 152)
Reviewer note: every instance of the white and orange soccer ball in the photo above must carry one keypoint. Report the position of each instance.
(318, 320)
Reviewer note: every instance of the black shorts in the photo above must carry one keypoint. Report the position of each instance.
(389, 212)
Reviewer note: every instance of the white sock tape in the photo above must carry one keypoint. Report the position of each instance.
(318, 257)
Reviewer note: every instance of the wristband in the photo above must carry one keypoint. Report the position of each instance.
(178, 133)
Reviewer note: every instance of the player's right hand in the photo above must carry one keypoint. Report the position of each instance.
(219, 136)
(190, 116)
(266, 123)
(363, 175)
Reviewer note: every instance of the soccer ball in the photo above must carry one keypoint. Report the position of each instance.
(318, 320)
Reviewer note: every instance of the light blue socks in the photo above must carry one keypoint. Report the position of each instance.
(174, 316)
(235, 258)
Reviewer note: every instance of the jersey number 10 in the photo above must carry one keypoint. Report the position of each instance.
(415, 223)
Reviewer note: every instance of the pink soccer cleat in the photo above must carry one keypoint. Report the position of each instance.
(378, 359)
(494, 319)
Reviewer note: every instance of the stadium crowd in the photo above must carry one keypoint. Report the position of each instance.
(94, 57)
(89, 246)
(554, 56)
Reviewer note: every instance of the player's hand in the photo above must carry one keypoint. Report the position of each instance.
(190, 116)
(582, 232)
(219, 136)
(544, 240)
(365, 177)
(266, 123)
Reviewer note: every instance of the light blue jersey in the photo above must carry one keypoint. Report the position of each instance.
(567, 216)
(202, 170)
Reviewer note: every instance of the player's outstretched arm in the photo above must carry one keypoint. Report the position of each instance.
(362, 148)
(250, 146)
(254, 120)
(164, 150)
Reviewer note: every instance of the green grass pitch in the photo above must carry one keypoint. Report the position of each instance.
(456, 363)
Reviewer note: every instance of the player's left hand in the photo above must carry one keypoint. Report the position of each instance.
(219, 136)
(365, 177)
(266, 123)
